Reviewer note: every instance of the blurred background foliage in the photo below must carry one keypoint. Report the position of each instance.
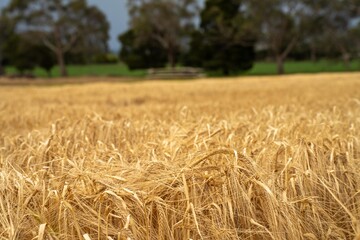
(220, 36)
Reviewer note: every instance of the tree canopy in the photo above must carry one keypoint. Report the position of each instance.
(7, 30)
(225, 40)
(168, 22)
(25, 54)
(149, 54)
(62, 25)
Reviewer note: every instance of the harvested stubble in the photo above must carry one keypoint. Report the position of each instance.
(249, 158)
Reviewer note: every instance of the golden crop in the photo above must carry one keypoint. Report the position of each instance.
(246, 158)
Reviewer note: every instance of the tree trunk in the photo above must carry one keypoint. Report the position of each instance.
(61, 62)
(346, 59)
(281, 56)
(59, 50)
(313, 54)
(345, 56)
(171, 58)
(280, 65)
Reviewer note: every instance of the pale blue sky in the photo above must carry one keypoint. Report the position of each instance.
(116, 13)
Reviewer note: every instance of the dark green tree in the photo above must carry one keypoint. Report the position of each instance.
(225, 40)
(143, 54)
(6, 31)
(43, 58)
(355, 35)
(25, 54)
(17, 50)
(167, 22)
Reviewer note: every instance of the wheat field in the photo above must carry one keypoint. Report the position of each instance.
(246, 158)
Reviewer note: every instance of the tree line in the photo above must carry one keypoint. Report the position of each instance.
(42, 33)
(232, 34)
(225, 36)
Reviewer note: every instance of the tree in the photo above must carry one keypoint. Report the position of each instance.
(165, 21)
(330, 24)
(277, 23)
(355, 35)
(225, 40)
(59, 23)
(141, 55)
(43, 58)
(24, 54)
(18, 50)
(7, 30)
(95, 29)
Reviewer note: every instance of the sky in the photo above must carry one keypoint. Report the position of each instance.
(116, 13)
(118, 18)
